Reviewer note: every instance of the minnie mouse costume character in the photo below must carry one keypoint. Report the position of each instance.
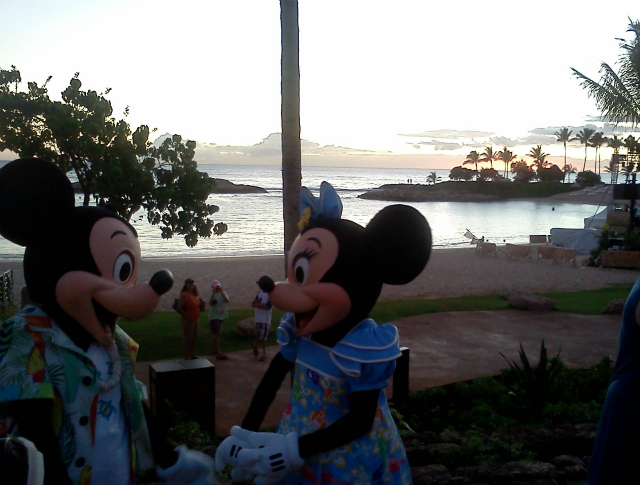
(337, 427)
(66, 369)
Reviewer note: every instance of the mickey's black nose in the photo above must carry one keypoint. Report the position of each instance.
(161, 281)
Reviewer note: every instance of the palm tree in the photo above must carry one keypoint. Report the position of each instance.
(290, 113)
(507, 157)
(615, 143)
(564, 136)
(472, 159)
(568, 170)
(617, 95)
(433, 178)
(539, 157)
(631, 144)
(488, 156)
(597, 140)
(585, 137)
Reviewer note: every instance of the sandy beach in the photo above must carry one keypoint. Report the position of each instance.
(450, 272)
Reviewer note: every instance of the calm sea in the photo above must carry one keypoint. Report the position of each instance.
(256, 227)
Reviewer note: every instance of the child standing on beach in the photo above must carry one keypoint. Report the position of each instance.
(217, 315)
(263, 307)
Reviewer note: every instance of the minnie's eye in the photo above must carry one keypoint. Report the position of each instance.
(301, 270)
(123, 269)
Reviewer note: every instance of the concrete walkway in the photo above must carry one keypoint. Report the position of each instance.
(444, 347)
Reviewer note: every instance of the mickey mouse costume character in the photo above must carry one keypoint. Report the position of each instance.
(337, 427)
(66, 369)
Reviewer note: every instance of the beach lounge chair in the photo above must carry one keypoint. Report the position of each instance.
(564, 255)
(538, 239)
(546, 252)
(516, 251)
(488, 249)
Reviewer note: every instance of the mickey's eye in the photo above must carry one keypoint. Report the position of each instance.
(123, 269)
(301, 270)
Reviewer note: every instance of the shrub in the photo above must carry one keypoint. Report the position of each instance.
(587, 179)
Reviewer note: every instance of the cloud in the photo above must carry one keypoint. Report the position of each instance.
(449, 134)
(503, 141)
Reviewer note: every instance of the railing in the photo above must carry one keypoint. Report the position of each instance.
(6, 291)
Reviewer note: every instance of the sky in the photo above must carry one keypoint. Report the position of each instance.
(408, 83)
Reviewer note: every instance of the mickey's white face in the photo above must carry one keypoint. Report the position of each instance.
(317, 305)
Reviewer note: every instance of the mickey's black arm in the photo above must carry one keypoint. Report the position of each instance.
(266, 392)
(34, 422)
(357, 422)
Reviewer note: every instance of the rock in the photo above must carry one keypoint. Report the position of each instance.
(531, 302)
(563, 461)
(246, 327)
(223, 186)
(432, 474)
(525, 470)
(614, 308)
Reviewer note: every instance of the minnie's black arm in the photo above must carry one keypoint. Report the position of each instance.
(34, 422)
(266, 392)
(357, 422)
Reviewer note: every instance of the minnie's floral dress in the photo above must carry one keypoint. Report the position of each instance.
(324, 380)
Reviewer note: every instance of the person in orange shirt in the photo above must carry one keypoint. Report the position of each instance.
(189, 307)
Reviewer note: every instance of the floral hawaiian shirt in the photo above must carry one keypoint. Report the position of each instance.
(39, 361)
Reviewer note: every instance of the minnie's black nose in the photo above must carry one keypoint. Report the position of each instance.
(161, 281)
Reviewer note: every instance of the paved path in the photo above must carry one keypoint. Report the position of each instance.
(445, 348)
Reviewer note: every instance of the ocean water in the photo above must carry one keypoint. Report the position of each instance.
(255, 224)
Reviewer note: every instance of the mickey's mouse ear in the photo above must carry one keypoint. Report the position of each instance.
(36, 197)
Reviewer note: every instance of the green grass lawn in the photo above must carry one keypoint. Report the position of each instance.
(160, 335)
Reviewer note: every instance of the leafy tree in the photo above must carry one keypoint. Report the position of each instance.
(488, 156)
(539, 157)
(523, 173)
(113, 164)
(585, 138)
(617, 95)
(587, 179)
(433, 178)
(490, 174)
(597, 140)
(461, 173)
(564, 136)
(290, 114)
(632, 145)
(472, 159)
(551, 174)
(507, 157)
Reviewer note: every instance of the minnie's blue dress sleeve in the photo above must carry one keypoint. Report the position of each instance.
(287, 338)
(367, 355)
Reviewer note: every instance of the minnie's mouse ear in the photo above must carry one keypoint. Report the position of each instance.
(36, 198)
(400, 240)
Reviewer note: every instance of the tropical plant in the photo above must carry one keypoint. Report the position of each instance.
(568, 170)
(632, 145)
(534, 383)
(461, 173)
(522, 172)
(615, 143)
(490, 174)
(551, 174)
(585, 138)
(506, 156)
(587, 179)
(564, 136)
(290, 118)
(597, 140)
(111, 163)
(617, 95)
(627, 169)
(433, 178)
(472, 159)
(539, 157)
(488, 156)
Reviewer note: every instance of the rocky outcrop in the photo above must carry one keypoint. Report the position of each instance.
(246, 327)
(615, 307)
(223, 186)
(531, 302)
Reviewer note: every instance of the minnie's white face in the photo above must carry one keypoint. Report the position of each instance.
(317, 305)
(96, 301)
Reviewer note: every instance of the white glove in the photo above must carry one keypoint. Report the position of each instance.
(271, 456)
(227, 454)
(192, 468)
